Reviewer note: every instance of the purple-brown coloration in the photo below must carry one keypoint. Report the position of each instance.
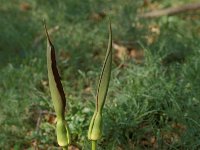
(55, 72)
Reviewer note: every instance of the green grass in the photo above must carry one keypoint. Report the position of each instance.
(150, 101)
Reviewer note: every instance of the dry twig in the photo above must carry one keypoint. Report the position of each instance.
(171, 10)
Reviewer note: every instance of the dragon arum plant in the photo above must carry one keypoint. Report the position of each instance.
(58, 96)
(95, 129)
(59, 100)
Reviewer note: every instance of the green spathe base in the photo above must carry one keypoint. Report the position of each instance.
(62, 133)
(95, 129)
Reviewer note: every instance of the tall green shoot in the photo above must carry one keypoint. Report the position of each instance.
(95, 128)
(57, 94)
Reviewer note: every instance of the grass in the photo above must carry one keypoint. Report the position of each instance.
(153, 105)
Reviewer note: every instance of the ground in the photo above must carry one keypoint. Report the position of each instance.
(153, 100)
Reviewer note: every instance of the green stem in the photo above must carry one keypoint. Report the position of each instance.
(94, 145)
(65, 148)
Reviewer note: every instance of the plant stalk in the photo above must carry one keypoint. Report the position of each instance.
(65, 148)
(94, 145)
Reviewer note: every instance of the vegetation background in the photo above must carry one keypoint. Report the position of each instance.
(154, 95)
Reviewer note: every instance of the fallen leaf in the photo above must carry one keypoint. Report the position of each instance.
(73, 147)
(154, 29)
(87, 89)
(125, 51)
(178, 126)
(154, 32)
(24, 6)
(121, 51)
(138, 55)
(51, 119)
(97, 16)
(153, 140)
(170, 137)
